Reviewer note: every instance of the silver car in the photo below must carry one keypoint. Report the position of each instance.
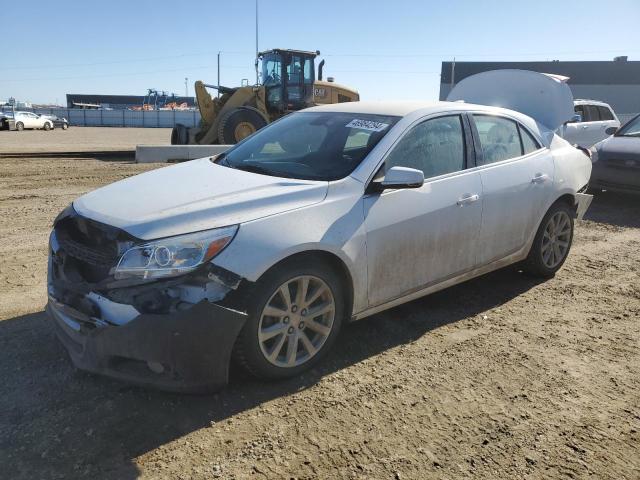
(326, 216)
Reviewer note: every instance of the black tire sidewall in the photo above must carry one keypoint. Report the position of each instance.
(247, 350)
(226, 133)
(535, 263)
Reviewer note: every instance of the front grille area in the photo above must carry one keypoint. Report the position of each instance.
(90, 248)
(84, 253)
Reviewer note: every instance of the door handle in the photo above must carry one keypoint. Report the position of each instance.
(467, 199)
(584, 127)
(540, 178)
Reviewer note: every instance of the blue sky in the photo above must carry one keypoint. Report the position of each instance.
(386, 49)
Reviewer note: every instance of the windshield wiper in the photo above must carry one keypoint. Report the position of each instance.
(255, 168)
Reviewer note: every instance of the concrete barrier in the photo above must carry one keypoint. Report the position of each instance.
(176, 153)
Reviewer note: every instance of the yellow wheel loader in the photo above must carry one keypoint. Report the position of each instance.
(288, 84)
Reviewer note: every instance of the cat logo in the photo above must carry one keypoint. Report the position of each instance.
(320, 92)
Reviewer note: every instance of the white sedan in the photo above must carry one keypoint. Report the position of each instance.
(25, 120)
(328, 215)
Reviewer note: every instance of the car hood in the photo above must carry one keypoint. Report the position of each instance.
(544, 97)
(622, 148)
(194, 196)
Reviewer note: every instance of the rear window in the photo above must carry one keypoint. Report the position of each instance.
(592, 113)
(605, 113)
(529, 144)
(499, 138)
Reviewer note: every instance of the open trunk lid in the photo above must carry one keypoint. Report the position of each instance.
(542, 96)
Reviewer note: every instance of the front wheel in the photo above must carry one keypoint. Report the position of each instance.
(238, 124)
(552, 243)
(294, 318)
(47, 126)
(65, 126)
(19, 126)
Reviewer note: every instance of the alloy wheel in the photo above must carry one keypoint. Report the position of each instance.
(296, 321)
(556, 238)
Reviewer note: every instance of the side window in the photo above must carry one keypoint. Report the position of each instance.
(592, 113)
(605, 113)
(580, 109)
(434, 146)
(529, 144)
(308, 76)
(499, 138)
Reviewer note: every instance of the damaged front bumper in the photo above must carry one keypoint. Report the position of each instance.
(167, 334)
(187, 351)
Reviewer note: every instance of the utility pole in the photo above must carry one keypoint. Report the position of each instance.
(186, 87)
(257, 51)
(219, 52)
(453, 73)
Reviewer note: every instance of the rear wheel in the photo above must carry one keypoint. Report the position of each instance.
(552, 243)
(47, 126)
(65, 126)
(19, 126)
(238, 124)
(294, 318)
(179, 135)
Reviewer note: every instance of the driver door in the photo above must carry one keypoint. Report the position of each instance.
(419, 237)
(298, 82)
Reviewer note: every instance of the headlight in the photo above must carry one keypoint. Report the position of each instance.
(173, 256)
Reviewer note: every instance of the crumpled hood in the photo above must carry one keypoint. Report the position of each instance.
(621, 148)
(194, 196)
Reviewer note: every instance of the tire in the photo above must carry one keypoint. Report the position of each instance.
(19, 126)
(65, 126)
(252, 352)
(47, 126)
(556, 229)
(179, 135)
(239, 124)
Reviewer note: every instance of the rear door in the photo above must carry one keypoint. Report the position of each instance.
(517, 177)
(586, 132)
(418, 237)
(608, 119)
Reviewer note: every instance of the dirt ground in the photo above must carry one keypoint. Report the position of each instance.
(81, 139)
(501, 377)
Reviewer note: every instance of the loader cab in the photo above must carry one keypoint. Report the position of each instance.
(288, 76)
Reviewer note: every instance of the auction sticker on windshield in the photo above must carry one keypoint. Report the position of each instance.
(367, 125)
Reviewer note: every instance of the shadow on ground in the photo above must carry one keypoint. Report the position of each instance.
(618, 209)
(57, 421)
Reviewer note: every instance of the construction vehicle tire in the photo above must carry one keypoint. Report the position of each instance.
(179, 135)
(239, 124)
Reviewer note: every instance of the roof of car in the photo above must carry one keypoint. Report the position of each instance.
(586, 101)
(397, 108)
(405, 108)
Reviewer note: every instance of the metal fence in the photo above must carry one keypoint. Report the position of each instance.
(124, 118)
(625, 117)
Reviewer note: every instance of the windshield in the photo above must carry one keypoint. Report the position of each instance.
(310, 145)
(631, 129)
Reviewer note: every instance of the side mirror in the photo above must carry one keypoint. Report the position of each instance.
(577, 118)
(400, 177)
(611, 130)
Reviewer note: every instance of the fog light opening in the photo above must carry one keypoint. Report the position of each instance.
(155, 367)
